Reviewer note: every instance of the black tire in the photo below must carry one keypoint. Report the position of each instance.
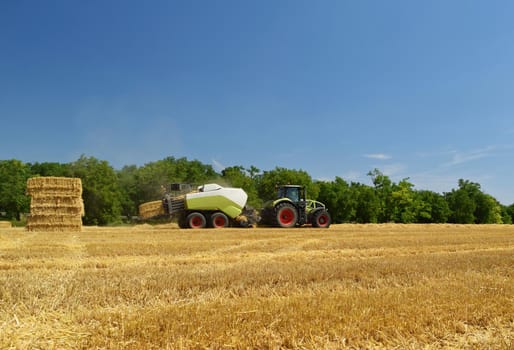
(321, 219)
(219, 220)
(286, 215)
(182, 222)
(196, 220)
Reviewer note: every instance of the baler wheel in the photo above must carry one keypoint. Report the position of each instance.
(219, 220)
(196, 220)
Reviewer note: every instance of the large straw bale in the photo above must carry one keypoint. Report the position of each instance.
(151, 209)
(56, 204)
(53, 218)
(4, 224)
(47, 195)
(53, 185)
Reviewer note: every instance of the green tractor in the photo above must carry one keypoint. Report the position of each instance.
(291, 209)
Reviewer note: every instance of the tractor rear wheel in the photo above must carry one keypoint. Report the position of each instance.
(196, 220)
(321, 219)
(219, 220)
(286, 215)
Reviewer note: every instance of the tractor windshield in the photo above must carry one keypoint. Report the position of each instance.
(293, 193)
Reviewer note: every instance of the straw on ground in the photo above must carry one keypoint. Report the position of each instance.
(351, 286)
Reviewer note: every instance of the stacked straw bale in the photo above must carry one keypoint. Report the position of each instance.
(56, 204)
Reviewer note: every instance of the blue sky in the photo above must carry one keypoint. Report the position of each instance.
(418, 89)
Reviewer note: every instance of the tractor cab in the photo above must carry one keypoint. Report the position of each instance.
(293, 192)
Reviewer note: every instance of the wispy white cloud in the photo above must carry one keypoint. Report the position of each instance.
(441, 170)
(453, 157)
(459, 157)
(379, 156)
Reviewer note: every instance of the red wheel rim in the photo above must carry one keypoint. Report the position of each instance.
(219, 221)
(196, 222)
(286, 216)
(323, 220)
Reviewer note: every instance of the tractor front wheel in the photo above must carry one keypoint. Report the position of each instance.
(321, 219)
(286, 215)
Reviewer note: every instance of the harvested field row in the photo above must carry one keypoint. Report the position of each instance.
(154, 287)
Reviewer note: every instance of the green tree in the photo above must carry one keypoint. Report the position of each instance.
(195, 172)
(253, 171)
(152, 177)
(434, 208)
(488, 210)
(462, 207)
(100, 190)
(470, 205)
(404, 204)
(127, 179)
(337, 196)
(50, 169)
(368, 205)
(383, 189)
(508, 214)
(13, 185)
(462, 202)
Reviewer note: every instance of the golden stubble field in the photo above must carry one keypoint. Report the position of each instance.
(351, 286)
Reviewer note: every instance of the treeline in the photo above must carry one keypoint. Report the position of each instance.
(111, 195)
